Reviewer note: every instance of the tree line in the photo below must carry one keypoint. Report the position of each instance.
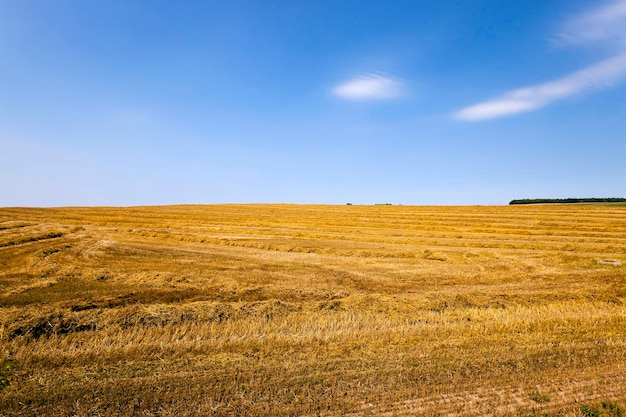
(567, 200)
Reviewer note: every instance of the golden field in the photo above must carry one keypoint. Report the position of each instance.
(297, 310)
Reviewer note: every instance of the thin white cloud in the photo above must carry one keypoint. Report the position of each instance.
(605, 26)
(369, 87)
(603, 75)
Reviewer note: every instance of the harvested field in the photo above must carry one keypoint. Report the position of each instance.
(284, 310)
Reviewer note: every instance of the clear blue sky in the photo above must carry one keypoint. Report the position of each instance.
(132, 102)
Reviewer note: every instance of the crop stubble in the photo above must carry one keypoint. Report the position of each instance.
(312, 310)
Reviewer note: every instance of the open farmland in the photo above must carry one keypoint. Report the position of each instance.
(281, 310)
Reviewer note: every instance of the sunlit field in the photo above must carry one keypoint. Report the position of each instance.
(293, 310)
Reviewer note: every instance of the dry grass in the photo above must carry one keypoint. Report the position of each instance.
(283, 310)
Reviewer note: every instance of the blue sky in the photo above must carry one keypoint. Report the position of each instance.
(139, 102)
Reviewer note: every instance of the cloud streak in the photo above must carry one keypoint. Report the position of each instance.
(606, 26)
(596, 77)
(369, 87)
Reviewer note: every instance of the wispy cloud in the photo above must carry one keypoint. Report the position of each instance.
(605, 26)
(596, 77)
(369, 87)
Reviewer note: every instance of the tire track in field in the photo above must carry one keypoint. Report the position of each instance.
(508, 400)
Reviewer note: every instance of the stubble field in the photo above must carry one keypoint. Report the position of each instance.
(285, 310)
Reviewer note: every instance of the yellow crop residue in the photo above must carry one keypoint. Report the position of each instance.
(284, 310)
